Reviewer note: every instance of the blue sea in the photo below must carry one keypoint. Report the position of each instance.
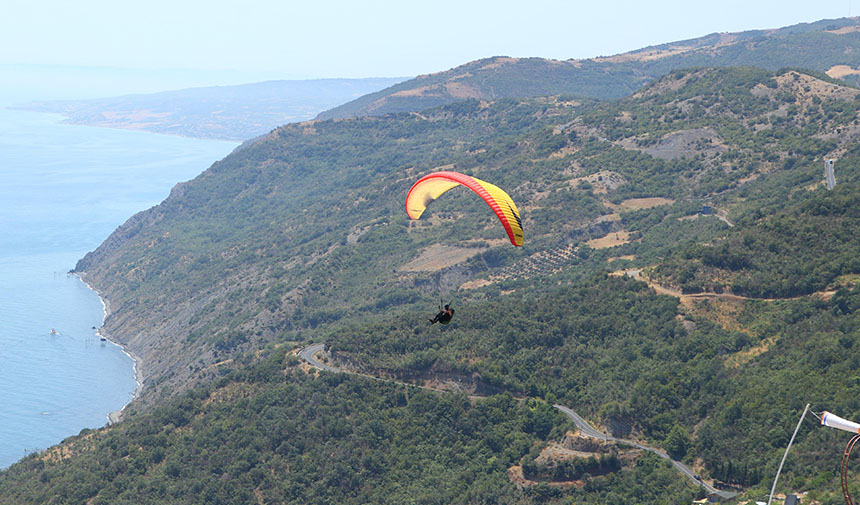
(63, 190)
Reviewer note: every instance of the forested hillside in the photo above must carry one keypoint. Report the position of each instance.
(707, 180)
(831, 46)
(271, 433)
(306, 227)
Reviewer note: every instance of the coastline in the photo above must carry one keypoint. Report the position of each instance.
(116, 416)
(67, 118)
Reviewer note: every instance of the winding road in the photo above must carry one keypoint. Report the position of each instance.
(308, 354)
(590, 431)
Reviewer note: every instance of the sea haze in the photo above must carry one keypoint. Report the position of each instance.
(63, 190)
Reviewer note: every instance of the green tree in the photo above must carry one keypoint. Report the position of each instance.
(677, 442)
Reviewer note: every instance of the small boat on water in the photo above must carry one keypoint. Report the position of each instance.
(54, 332)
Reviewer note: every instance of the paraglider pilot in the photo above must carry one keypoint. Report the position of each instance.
(444, 316)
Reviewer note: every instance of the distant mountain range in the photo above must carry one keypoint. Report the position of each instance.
(246, 111)
(831, 46)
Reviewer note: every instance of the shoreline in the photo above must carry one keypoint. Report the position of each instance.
(115, 416)
(67, 119)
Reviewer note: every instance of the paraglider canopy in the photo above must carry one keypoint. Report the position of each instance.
(432, 186)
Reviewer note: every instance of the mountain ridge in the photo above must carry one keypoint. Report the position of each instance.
(836, 46)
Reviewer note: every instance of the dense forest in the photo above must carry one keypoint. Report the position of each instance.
(797, 251)
(706, 181)
(645, 365)
(271, 433)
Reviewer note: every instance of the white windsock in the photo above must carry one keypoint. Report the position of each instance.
(834, 421)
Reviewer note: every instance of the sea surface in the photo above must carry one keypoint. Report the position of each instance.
(63, 190)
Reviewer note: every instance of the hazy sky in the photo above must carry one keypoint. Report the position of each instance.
(328, 38)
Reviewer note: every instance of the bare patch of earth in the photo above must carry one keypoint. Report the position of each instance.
(571, 447)
(847, 280)
(601, 182)
(460, 90)
(845, 29)
(685, 143)
(636, 273)
(613, 239)
(646, 55)
(815, 185)
(640, 203)
(840, 71)
(557, 452)
(439, 256)
(741, 358)
(824, 295)
(749, 178)
(628, 257)
(475, 284)
(419, 91)
(515, 475)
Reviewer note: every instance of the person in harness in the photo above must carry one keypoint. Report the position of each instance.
(444, 316)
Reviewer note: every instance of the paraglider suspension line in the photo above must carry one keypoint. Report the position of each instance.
(845, 456)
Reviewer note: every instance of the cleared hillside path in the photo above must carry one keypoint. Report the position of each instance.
(308, 354)
(636, 273)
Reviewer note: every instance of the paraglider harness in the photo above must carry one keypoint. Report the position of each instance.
(444, 316)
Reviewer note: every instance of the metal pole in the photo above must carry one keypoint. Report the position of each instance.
(844, 472)
(775, 479)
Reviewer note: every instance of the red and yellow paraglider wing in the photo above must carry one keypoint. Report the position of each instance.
(425, 191)
(432, 186)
